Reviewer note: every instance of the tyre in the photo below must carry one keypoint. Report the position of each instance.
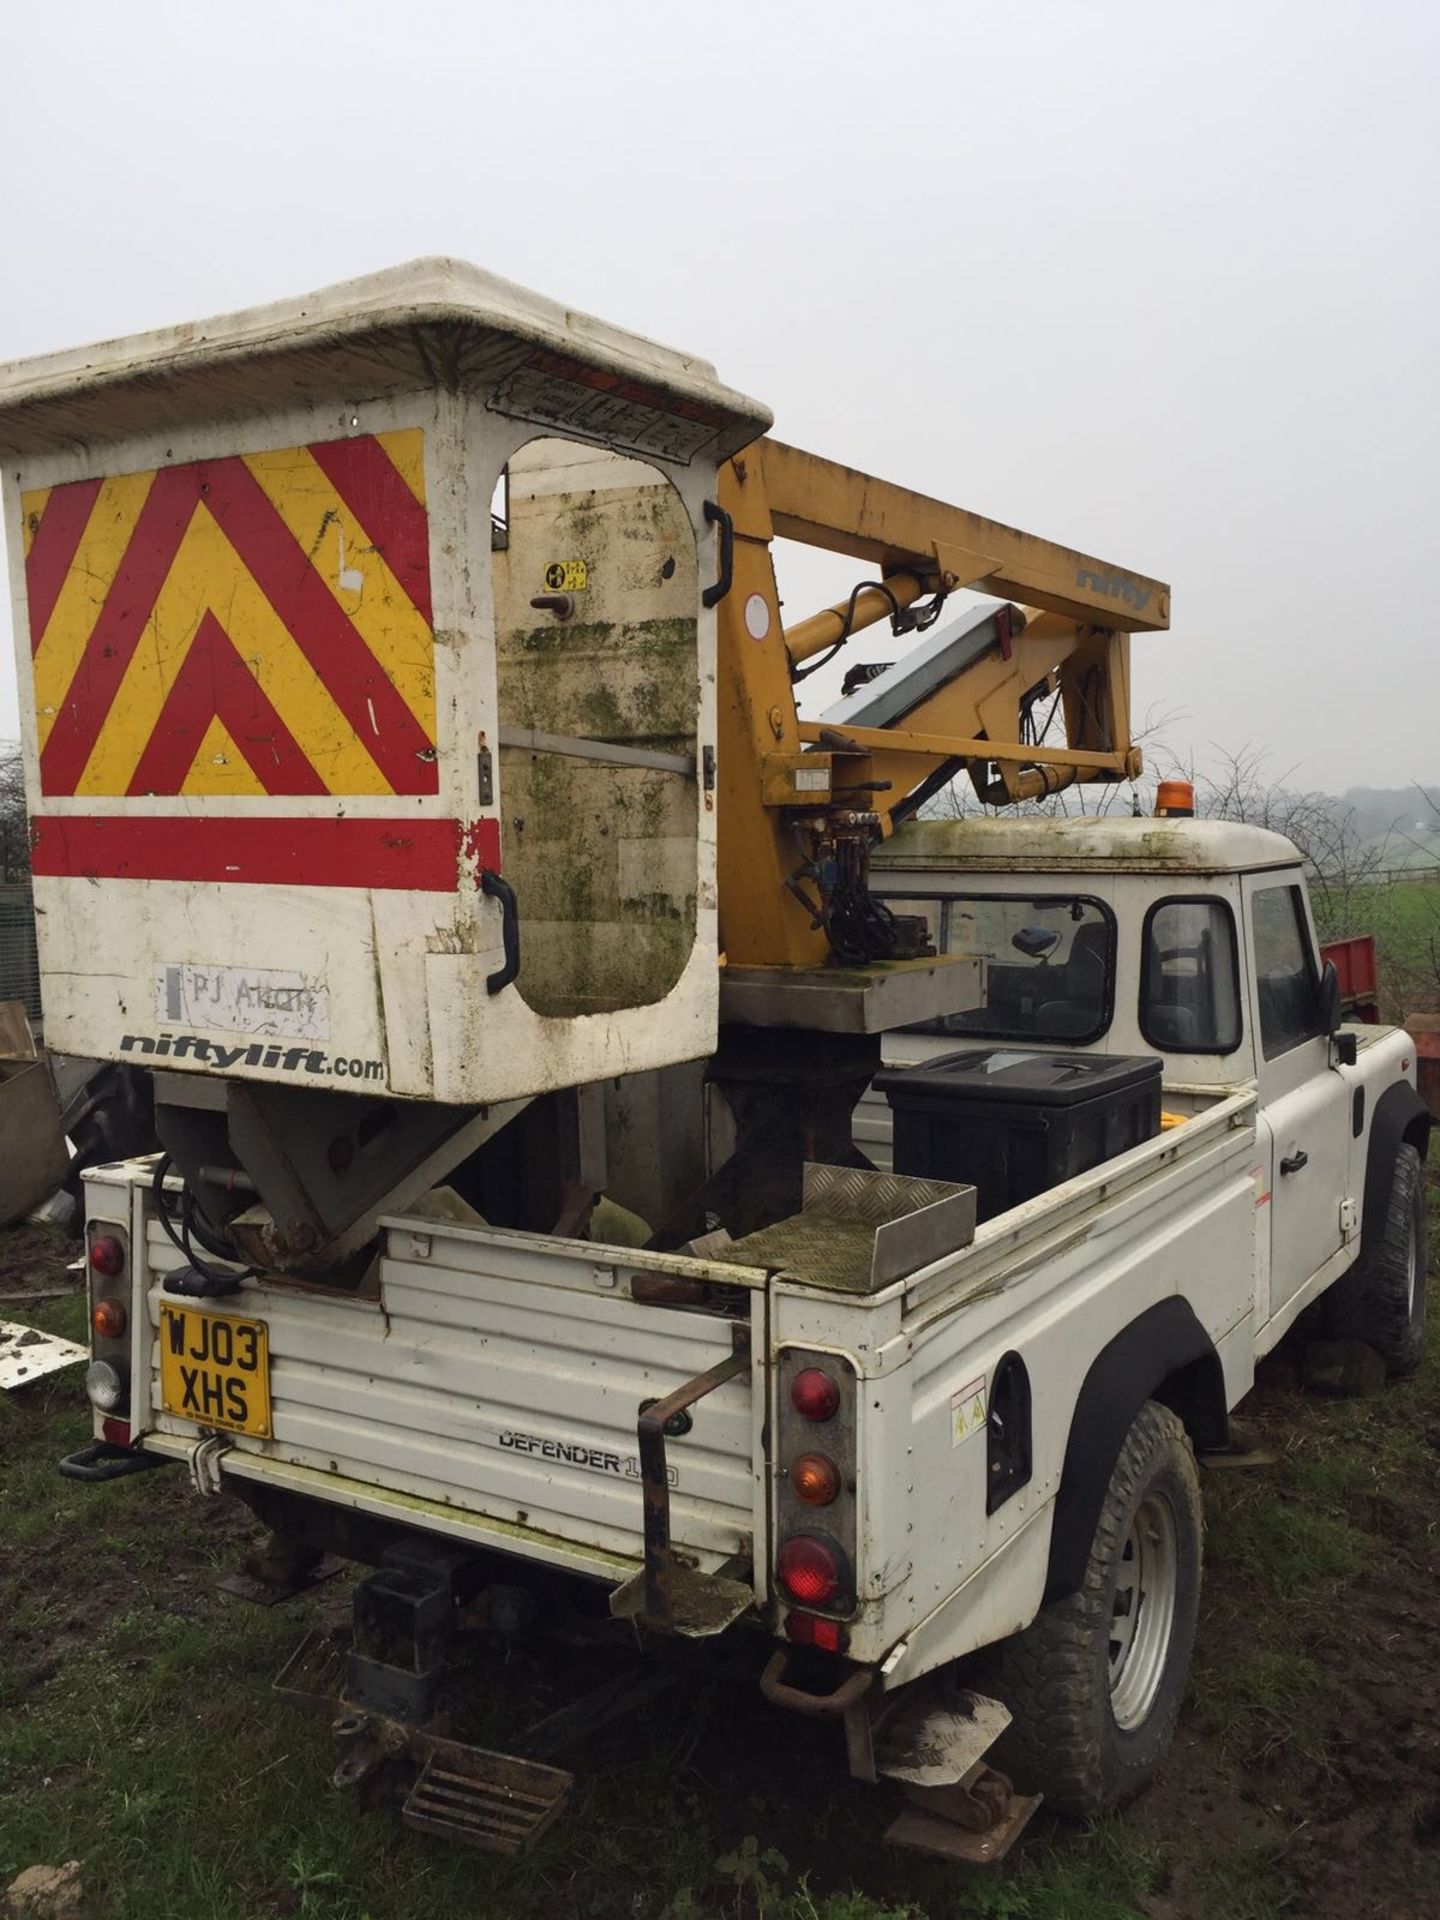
(1381, 1300)
(1095, 1682)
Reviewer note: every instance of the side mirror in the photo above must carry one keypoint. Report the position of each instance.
(1331, 1011)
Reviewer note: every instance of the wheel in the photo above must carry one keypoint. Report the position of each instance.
(1095, 1682)
(1381, 1300)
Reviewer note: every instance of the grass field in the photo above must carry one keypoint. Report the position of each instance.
(1404, 917)
(1410, 907)
(1418, 901)
(138, 1735)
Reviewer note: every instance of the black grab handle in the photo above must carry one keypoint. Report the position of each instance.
(502, 891)
(717, 516)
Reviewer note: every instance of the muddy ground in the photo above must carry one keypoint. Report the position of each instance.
(1305, 1779)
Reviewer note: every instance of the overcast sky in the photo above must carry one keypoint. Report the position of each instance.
(1160, 280)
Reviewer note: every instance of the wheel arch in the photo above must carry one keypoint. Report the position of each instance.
(1401, 1118)
(1164, 1354)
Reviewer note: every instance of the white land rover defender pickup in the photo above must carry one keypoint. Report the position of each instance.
(876, 1436)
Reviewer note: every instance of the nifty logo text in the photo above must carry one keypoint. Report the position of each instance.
(267, 1057)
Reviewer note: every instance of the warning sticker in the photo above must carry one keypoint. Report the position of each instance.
(967, 1411)
(567, 576)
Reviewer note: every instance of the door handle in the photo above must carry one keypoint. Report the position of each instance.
(1293, 1162)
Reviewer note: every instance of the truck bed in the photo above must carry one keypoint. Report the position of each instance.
(490, 1391)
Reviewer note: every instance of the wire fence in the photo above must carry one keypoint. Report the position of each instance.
(19, 966)
(1409, 876)
(1381, 877)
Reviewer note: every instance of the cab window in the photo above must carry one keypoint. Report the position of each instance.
(1190, 977)
(1049, 962)
(1286, 984)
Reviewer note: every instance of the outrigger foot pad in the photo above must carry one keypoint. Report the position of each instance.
(249, 1582)
(977, 1820)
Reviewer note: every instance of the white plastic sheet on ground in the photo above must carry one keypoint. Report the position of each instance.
(26, 1354)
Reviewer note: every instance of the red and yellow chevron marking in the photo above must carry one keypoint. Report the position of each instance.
(249, 625)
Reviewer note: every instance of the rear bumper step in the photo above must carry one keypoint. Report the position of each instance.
(491, 1800)
(102, 1461)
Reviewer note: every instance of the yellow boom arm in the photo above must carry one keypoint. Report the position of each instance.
(784, 784)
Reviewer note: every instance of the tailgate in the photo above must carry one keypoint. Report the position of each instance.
(499, 1376)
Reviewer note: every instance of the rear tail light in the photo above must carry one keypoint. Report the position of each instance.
(817, 1486)
(811, 1569)
(809, 1630)
(815, 1478)
(107, 1317)
(107, 1255)
(814, 1394)
(117, 1432)
(105, 1386)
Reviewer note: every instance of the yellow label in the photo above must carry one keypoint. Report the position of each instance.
(567, 576)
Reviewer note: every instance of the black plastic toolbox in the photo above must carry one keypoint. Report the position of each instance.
(1015, 1124)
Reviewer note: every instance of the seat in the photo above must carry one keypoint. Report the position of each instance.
(1085, 973)
(1175, 1028)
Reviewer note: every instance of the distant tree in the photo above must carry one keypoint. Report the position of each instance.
(1343, 871)
(1392, 811)
(1424, 994)
(14, 822)
(1351, 891)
